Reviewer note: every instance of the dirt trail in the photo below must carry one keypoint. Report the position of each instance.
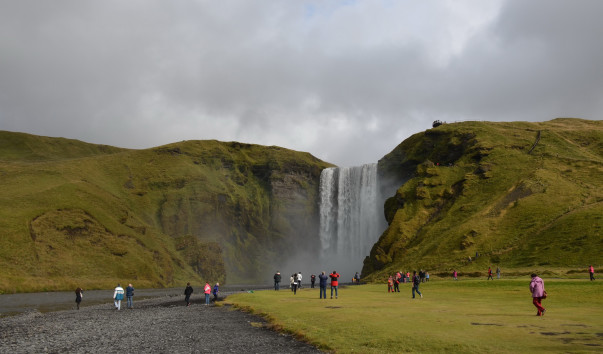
(155, 325)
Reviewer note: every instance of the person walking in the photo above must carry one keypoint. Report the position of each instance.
(490, 274)
(277, 281)
(334, 283)
(292, 281)
(312, 281)
(299, 280)
(322, 283)
(129, 296)
(216, 291)
(538, 293)
(79, 294)
(497, 272)
(591, 272)
(118, 295)
(416, 280)
(187, 294)
(207, 291)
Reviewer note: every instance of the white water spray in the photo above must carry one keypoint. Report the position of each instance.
(351, 217)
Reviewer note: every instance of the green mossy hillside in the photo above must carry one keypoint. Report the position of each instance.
(521, 195)
(73, 213)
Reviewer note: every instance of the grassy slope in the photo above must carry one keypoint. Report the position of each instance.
(518, 210)
(77, 213)
(468, 316)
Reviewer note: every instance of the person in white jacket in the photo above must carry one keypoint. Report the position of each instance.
(118, 295)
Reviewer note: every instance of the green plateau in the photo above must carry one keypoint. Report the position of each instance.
(78, 214)
(522, 196)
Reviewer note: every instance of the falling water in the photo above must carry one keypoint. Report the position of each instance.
(351, 220)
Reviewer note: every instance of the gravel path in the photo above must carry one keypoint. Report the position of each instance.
(159, 325)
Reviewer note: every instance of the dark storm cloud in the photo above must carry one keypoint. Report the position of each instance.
(346, 81)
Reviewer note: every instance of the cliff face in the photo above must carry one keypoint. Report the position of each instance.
(192, 211)
(520, 195)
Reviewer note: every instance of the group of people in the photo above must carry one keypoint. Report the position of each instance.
(118, 296)
(393, 281)
(295, 282)
(207, 290)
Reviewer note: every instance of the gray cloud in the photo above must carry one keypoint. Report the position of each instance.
(344, 80)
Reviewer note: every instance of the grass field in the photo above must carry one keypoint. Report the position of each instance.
(462, 316)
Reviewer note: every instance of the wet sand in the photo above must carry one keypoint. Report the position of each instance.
(158, 325)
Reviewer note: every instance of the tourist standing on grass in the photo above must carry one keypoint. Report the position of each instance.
(416, 280)
(216, 291)
(118, 295)
(299, 280)
(490, 274)
(294, 284)
(334, 283)
(277, 281)
(390, 284)
(397, 281)
(426, 276)
(292, 281)
(454, 275)
(322, 283)
(537, 290)
(129, 296)
(312, 281)
(497, 272)
(187, 294)
(591, 272)
(207, 291)
(79, 293)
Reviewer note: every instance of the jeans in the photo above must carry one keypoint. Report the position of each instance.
(277, 285)
(323, 290)
(206, 299)
(117, 304)
(416, 288)
(334, 287)
(129, 298)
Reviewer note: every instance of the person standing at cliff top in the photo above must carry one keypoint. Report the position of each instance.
(591, 272)
(187, 294)
(537, 290)
(129, 296)
(334, 283)
(277, 281)
(118, 295)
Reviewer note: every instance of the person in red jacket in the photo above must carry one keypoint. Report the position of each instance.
(334, 283)
(207, 291)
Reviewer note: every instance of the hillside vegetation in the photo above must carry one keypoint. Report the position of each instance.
(521, 195)
(79, 214)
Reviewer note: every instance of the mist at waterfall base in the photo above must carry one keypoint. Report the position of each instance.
(351, 217)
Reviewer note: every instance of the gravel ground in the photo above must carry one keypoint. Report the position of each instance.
(158, 325)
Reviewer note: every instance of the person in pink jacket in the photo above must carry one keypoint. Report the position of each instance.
(207, 291)
(537, 290)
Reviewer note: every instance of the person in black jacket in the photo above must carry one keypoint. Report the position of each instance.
(277, 281)
(187, 293)
(312, 280)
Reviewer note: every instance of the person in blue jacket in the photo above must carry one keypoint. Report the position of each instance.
(322, 277)
(216, 290)
(129, 296)
(118, 295)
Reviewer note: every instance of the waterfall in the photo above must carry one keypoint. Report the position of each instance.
(351, 218)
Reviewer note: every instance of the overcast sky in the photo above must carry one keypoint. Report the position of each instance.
(344, 80)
